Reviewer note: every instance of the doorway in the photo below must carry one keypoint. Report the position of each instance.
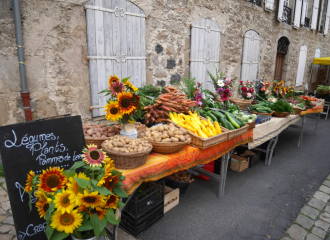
(282, 50)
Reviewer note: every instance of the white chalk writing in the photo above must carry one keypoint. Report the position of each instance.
(32, 230)
(22, 192)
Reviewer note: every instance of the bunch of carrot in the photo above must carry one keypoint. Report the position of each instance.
(171, 101)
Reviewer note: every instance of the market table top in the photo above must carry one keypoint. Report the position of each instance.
(159, 166)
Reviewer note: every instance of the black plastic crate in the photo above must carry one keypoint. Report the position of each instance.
(147, 197)
(183, 186)
(136, 226)
(255, 159)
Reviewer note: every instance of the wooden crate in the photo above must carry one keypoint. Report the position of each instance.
(241, 165)
(171, 198)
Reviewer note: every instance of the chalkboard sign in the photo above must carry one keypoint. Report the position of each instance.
(36, 146)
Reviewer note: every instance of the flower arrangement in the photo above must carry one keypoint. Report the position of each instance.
(263, 88)
(78, 203)
(124, 104)
(222, 85)
(247, 90)
(279, 90)
(198, 94)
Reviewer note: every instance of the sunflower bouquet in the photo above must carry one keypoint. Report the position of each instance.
(75, 202)
(279, 90)
(124, 104)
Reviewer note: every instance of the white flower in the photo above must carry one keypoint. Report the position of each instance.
(203, 95)
(249, 95)
(221, 83)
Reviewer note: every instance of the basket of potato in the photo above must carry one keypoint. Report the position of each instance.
(98, 133)
(126, 152)
(166, 139)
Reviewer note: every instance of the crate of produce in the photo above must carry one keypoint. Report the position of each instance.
(171, 199)
(146, 197)
(238, 163)
(136, 226)
(179, 180)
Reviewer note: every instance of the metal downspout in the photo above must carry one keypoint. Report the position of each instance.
(21, 61)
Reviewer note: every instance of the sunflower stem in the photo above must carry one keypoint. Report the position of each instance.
(93, 174)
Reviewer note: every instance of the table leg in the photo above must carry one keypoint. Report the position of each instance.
(224, 172)
(317, 121)
(273, 143)
(301, 131)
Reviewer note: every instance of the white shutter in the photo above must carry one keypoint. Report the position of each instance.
(301, 66)
(297, 14)
(326, 27)
(321, 13)
(116, 45)
(280, 10)
(315, 13)
(303, 12)
(205, 51)
(269, 5)
(316, 67)
(250, 58)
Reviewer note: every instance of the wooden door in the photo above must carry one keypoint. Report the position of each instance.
(279, 66)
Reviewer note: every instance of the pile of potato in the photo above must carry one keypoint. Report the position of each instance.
(124, 144)
(165, 134)
(100, 130)
(182, 176)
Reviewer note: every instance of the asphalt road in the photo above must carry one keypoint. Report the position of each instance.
(259, 203)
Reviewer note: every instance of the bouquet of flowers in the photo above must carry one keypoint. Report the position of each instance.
(222, 85)
(198, 94)
(263, 88)
(279, 90)
(78, 203)
(247, 90)
(124, 104)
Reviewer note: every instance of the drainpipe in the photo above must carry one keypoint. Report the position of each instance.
(21, 62)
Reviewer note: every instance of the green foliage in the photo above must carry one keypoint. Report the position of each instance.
(323, 90)
(150, 90)
(2, 173)
(188, 86)
(281, 106)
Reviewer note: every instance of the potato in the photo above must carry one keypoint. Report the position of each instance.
(178, 133)
(182, 138)
(115, 149)
(184, 131)
(160, 128)
(166, 140)
(174, 139)
(170, 133)
(94, 135)
(98, 134)
(90, 132)
(164, 136)
(166, 127)
(158, 139)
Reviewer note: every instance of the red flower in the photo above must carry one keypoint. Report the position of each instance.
(224, 97)
(244, 88)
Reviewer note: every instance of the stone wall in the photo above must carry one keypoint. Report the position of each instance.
(54, 34)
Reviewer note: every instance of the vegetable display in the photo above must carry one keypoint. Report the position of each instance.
(125, 144)
(100, 130)
(171, 101)
(281, 106)
(262, 107)
(192, 122)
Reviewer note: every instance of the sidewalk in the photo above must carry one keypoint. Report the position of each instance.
(313, 221)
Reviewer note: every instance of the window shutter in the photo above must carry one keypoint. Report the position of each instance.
(205, 51)
(269, 5)
(321, 13)
(250, 58)
(116, 45)
(301, 66)
(315, 13)
(297, 14)
(326, 27)
(303, 12)
(280, 10)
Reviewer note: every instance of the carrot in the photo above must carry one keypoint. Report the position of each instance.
(170, 87)
(148, 115)
(165, 108)
(166, 114)
(167, 90)
(159, 102)
(165, 95)
(163, 99)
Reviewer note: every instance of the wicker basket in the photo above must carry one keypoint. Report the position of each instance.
(265, 114)
(280, 115)
(96, 141)
(251, 125)
(242, 103)
(240, 131)
(168, 148)
(128, 160)
(297, 111)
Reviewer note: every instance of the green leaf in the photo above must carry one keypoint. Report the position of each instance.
(94, 183)
(121, 184)
(104, 91)
(104, 233)
(122, 178)
(121, 204)
(85, 226)
(69, 173)
(49, 212)
(111, 217)
(30, 204)
(95, 221)
(59, 235)
(125, 79)
(104, 191)
(49, 231)
(102, 224)
(86, 217)
(84, 183)
(77, 165)
(115, 172)
(120, 192)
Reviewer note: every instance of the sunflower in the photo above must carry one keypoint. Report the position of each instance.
(129, 85)
(91, 199)
(113, 79)
(110, 182)
(125, 105)
(66, 222)
(63, 203)
(101, 212)
(107, 173)
(42, 204)
(109, 162)
(52, 179)
(116, 88)
(93, 156)
(135, 100)
(28, 186)
(113, 111)
(112, 201)
(74, 188)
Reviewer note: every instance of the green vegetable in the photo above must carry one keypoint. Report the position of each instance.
(281, 106)
(232, 121)
(213, 118)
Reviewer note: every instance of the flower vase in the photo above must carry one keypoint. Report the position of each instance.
(129, 130)
(92, 238)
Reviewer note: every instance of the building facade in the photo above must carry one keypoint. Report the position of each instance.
(71, 47)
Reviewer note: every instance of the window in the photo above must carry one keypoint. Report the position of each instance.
(205, 51)
(323, 9)
(285, 11)
(269, 5)
(307, 21)
(327, 19)
(286, 3)
(250, 58)
(301, 66)
(315, 12)
(255, 2)
(297, 13)
(116, 45)
(304, 20)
